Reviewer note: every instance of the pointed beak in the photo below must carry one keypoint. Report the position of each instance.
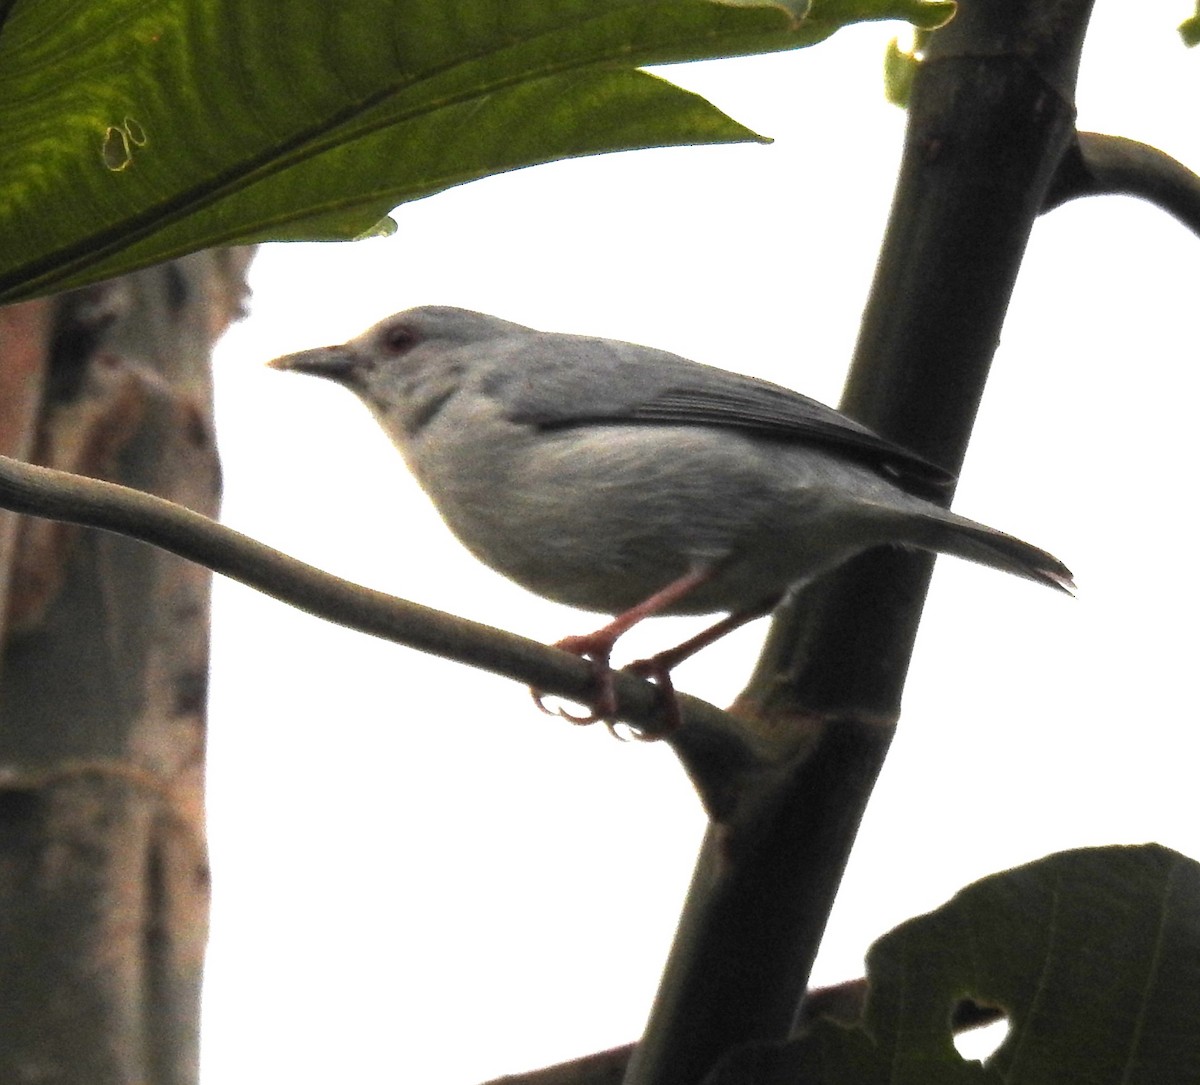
(341, 363)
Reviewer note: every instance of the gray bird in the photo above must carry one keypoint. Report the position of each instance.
(627, 480)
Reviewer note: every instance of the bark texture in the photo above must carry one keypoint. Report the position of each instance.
(103, 868)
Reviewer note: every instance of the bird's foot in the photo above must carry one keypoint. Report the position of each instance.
(596, 649)
(657, 669)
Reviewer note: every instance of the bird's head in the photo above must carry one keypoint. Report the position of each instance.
(406, 366)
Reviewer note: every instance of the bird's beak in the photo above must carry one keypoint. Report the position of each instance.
(339, 363)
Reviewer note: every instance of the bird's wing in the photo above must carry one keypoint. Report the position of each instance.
(567, 380)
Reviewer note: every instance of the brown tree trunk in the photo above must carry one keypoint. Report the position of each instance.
(103, 872)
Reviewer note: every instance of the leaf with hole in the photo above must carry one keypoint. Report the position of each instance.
(1093, 956)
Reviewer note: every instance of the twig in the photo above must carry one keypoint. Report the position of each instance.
(1103, 165)
(602, 1068)
(58, 495)
(842, 1002)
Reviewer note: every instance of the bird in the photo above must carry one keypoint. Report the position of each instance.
(633, 482)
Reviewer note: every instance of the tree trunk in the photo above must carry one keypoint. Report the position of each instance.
(103, 871)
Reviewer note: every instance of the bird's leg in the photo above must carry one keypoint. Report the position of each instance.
(657, 668)
(597, 647)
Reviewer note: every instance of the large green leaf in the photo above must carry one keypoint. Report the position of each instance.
(139, 130)
(1093, 955)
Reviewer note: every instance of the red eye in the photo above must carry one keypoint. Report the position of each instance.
(398, 338)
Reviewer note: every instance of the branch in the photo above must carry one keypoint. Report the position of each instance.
(842, 1002)
(602, 1068)
(1102, 165)
(990, 117)
(714, 747)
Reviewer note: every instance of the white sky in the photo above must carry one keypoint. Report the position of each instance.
(418, 877)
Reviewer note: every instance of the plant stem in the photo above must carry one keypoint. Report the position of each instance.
(990, 119)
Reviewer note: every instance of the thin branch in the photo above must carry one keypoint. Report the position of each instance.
(602, 1068)
(713, 746)
(1103, 165)
(842, 1002)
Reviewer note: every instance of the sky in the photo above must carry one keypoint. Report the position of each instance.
(417, 876)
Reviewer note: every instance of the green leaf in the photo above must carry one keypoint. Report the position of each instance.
(900, 68)
(139, 130)
(1189, 29)
(1093, 955)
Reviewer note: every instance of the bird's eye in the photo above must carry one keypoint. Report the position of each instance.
(398, 338)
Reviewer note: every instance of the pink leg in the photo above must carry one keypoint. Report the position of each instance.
(658, 667)
(672, 657)
(598, 646)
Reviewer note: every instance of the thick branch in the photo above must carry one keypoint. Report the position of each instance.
(990, 118)
(1103, 165)
(714, 747)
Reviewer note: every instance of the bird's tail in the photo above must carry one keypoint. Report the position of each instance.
(949, 533)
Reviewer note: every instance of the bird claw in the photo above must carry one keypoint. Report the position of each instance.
(539, 699)
(596, 650)
(604, 707)
(657, 670)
